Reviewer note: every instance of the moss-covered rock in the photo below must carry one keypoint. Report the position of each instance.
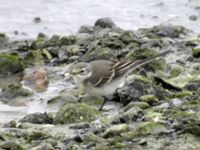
(38, 118)
(35, 57)
(142, 105)
(10, 64)
(193, 17)
(128, 114)
(43, 146)
(92, 138)
(67, 40)
(99, 53)
(3, 39)
(172, 31)
(181, 94)
(116, 130)
(150, 128)
(12, 145)
(146, 128)
(196, 52)
(150, 99)
(176, 70)
(134, 89)
(128, 37)
(38, 135)
(13, 91)
(146, 53)
(39, 43)
(75, 113)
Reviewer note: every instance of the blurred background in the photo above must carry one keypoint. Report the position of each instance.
(22, 19)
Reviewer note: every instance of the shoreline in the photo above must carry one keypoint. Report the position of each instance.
(157, 108)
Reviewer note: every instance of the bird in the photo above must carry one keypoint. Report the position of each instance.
(104, 77)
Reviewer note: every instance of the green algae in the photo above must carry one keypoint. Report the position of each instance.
(76, 113)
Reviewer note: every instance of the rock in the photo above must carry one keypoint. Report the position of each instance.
(115, 130)
(85, 40)
(34, 58)
(176, 70)
(154, 117)
(128, 37)
(3, 40)
(67, 40)
(76, 113)
(10, 64)
(134, 89)
(128, 115)
(105, 23)
(86, 29)
(142, 105)
(53, 51)
(167, 85)
(44, 146)
(146, 53)
(150, 99)
(38, 135)
(111, 42)
(146, 128)
(12, 145)
(12, 92)
(99, 53)
(193, 85)
(55, 41)
(196, 52)
(172, 31)
(79, 138)
(65, 52)
(39, 43)
(37, 20)
(11, 124)
(193, 18)
(161, 107)
(185, 118)
(93, 138)
(80, 126)
(38, 118)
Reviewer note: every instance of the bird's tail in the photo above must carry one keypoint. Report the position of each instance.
(139, 63)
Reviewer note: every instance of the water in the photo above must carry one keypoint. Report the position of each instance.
(66, 16)
(37, 102)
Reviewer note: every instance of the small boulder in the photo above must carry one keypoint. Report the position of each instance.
(38, 118)
(76, 113)
(10, 64)
(105, 23)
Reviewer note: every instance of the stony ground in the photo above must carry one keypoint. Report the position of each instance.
(158, 108)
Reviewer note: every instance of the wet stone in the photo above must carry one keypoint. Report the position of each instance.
(76, 113)
(105, 23)
(38, 118)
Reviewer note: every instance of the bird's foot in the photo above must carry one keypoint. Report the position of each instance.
(80, 97)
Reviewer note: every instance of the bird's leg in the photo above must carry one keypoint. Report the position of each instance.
(80, 97)
(104, 102)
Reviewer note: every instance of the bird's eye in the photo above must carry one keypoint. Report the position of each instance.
(82, 71)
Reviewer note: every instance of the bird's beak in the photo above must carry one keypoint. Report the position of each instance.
(71, 73)
(67, 74)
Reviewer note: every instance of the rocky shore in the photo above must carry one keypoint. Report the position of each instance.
(157, 108)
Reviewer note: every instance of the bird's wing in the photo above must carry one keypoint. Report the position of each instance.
(112, 70)
(100, 70)
(109, 71)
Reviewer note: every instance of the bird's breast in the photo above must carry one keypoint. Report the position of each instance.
(107, 89)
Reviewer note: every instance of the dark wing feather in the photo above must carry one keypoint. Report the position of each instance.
(116, 69)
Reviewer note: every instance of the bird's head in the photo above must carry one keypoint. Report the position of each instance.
(80, 71)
